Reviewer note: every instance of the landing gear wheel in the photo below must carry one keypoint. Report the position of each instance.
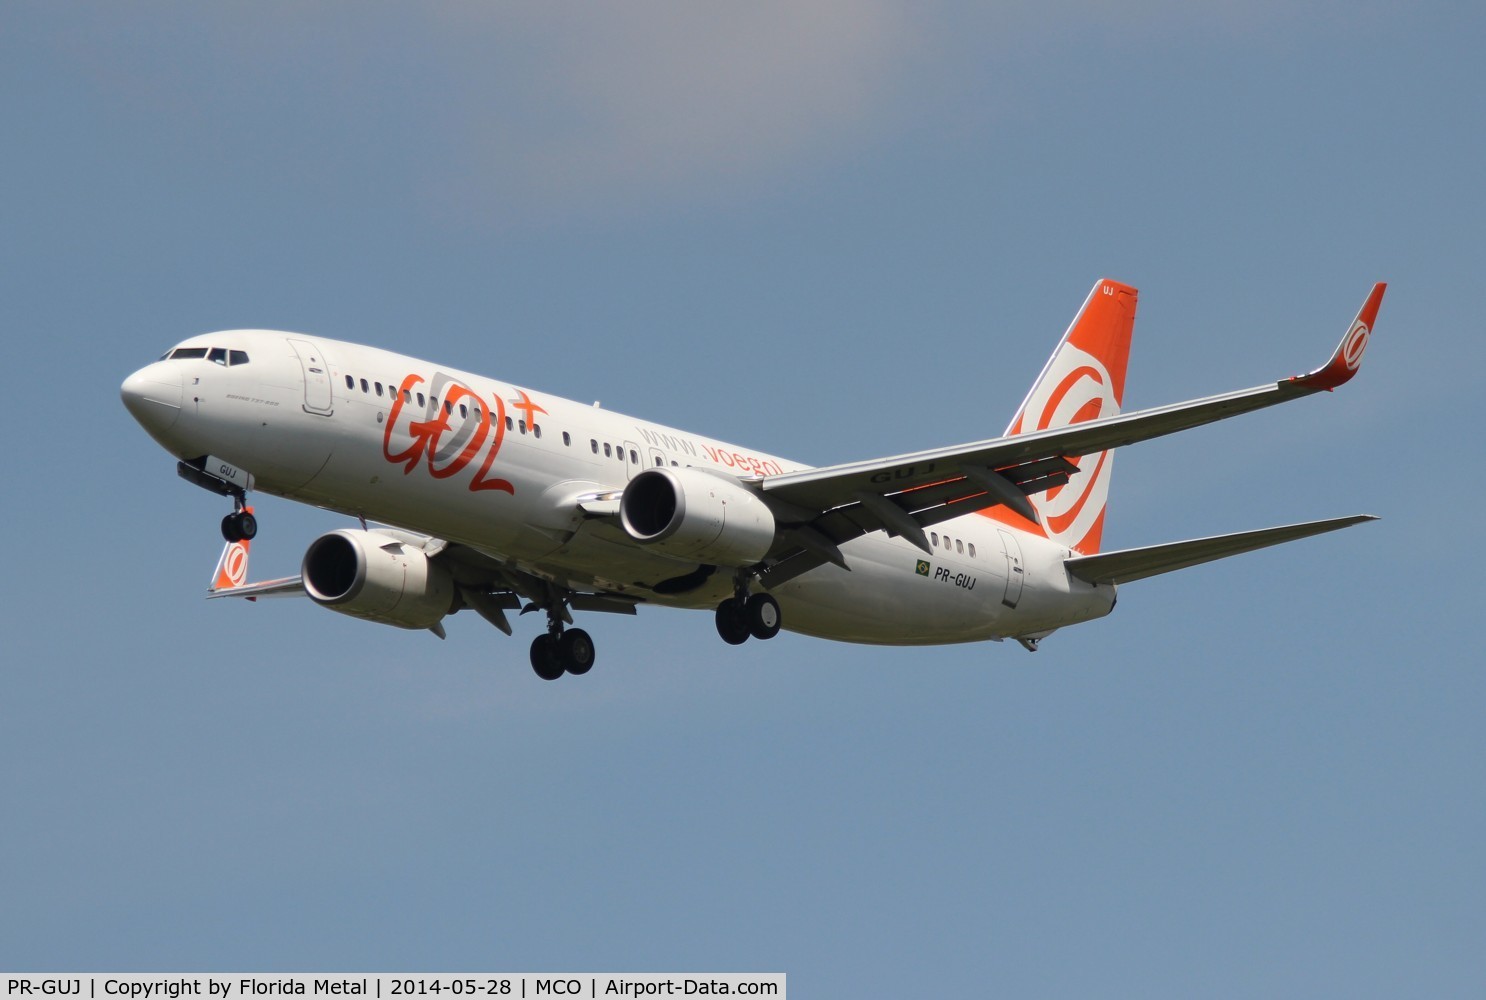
(762, 615)
(732, 622)
(239, 526)
(544, 658)
(575, 651)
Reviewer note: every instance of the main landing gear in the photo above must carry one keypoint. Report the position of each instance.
(561, 651)
(740, 617)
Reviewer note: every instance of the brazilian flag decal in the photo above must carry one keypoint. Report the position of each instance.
(922, 567)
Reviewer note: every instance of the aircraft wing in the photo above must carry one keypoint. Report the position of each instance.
(1153, 560)
(821, 508)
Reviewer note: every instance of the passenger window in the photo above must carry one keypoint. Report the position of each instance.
(464, 411)
(567, 441)
(634, 459)
(350, 382)
(237, 357)
(972, 550)
(421, 400)
(959, 546)
(934, 538)
(449, 407)
(659, 460)
(536, 429)
(522, 425)
(364, 386)
(510, 424)
(407, 395)
(379, 387)
(594, 444)
(608, 452)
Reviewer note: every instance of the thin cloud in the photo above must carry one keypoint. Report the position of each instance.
(480, 113)
(646, 100)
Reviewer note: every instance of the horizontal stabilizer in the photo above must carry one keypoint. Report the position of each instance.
(1137, 564)
(289, 586)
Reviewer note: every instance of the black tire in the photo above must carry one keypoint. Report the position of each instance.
(762, 614)
(247, 526)
(732, 622)
(231, 529)
(544, 658)
(575, 651)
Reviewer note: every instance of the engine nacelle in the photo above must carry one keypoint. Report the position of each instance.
(375, 576)
(691, 514)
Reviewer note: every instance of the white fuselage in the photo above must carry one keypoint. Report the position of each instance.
(494, 466)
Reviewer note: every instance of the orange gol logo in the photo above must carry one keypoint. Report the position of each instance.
(445, 459)
(1355, 345)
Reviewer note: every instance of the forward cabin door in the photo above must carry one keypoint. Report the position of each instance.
(317, 398)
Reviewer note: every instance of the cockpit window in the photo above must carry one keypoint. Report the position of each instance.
(220, 355)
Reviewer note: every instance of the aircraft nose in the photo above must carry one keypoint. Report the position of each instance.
(153, 396)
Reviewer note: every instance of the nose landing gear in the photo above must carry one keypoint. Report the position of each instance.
(240, 525)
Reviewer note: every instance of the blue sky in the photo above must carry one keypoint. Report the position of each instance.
(828, 232)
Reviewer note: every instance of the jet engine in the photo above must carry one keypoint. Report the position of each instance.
(692, 514)
(375, 576)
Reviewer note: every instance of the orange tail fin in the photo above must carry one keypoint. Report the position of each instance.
(1083, 380)
(232, 567)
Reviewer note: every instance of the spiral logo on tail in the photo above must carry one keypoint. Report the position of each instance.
(235, 564)
(1076, 388)
(1354, 345)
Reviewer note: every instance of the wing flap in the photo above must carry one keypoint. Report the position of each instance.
(1128, 565)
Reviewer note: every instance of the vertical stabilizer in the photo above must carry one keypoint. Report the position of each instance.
(1083, 380)
(232, 567)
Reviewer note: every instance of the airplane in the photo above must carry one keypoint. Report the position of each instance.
(472, 493)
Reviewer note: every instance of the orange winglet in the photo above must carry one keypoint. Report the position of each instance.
(1348, 355)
